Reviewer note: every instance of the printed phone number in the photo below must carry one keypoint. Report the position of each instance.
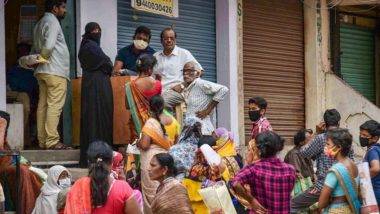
(154, 6)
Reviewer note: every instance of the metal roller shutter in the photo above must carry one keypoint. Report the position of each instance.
(273, 57)
(195, 29)
(357, 59)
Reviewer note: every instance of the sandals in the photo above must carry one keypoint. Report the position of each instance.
(60, 146)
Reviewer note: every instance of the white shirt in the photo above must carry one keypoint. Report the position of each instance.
(170, 67)
(198, 95)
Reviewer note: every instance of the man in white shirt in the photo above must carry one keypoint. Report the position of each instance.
(170, 62)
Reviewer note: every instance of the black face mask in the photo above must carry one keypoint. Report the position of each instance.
(95, 37)
(254, 115)
(364, 142)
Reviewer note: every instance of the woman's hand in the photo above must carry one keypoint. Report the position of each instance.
(257, 207)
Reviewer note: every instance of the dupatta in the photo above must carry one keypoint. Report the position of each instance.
(348, 185)
(153, 129)
(138, 105)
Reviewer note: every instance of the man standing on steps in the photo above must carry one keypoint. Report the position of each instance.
(170, 62)
(49, 42)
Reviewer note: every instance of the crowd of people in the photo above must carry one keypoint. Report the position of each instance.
(175, 163)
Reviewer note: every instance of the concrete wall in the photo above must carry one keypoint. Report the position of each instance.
(104, 13)
(2, 59)
(354, 108)
(226, 58)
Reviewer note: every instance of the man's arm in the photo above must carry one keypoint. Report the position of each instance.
(218, 91)
(117, 67)
(49, 36)
(373, 158)
(313, 148)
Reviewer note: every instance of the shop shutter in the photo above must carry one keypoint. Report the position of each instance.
(357, 59)
(273, 61)
(195, 29)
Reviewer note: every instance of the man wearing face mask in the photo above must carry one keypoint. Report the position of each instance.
(257, 110)
(315, 151)
(369, 137)
(127, 56)
(49, 42)
(170, 63)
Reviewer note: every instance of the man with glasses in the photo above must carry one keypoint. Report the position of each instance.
(170, 62)
(201, 96)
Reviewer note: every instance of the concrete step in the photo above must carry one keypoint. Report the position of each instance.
(40, 158)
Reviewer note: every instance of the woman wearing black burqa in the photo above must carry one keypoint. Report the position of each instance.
(96, 95)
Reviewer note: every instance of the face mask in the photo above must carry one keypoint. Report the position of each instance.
(331, 153)
(64, 183)
(254, 115)
(364, 142)
(95, 37)
(140, 44)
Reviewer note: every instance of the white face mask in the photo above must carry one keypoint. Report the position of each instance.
(140, 44)
(64, 183)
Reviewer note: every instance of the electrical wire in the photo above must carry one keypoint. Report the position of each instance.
(330, 5)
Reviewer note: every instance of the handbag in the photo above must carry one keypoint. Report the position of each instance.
(217, 198)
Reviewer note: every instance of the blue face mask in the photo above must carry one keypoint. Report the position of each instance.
(64, 183)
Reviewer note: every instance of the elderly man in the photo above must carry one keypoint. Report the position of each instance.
(201, 96)
(170, 62)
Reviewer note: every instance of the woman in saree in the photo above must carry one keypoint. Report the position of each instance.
(202, 175)
(30, 183)
(153, 141)
(184, 151)
(99, 192)
(340, 191)
(162, 169)
(139, 91)
(226, 149)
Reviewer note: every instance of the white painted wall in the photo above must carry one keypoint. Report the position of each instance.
(105, 14)
(3, 99)
(227, 66)
(353, 107)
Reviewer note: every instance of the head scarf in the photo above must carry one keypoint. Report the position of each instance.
(224, 144)
(88, 32)
(47, 200)
(224, 133)
(117, 161)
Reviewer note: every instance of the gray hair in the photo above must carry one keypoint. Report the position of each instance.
(196, 65)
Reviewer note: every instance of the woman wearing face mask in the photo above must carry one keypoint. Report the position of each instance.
(340, 190)
(162, 169)
(370, 138)
(58, 179)
(96, 92)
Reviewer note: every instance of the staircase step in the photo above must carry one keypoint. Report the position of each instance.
(52, 156)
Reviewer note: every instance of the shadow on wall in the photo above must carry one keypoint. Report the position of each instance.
(354, 108)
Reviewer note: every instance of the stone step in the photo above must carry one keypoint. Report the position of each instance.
(52, 157)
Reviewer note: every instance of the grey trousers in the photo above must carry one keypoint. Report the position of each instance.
(172, 98)
(303, 201)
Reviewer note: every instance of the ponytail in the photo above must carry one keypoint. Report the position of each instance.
(157, 104)
(100, 158)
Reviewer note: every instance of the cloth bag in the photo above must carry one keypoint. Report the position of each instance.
(301, 185)
(217, 197)
(369, 203)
